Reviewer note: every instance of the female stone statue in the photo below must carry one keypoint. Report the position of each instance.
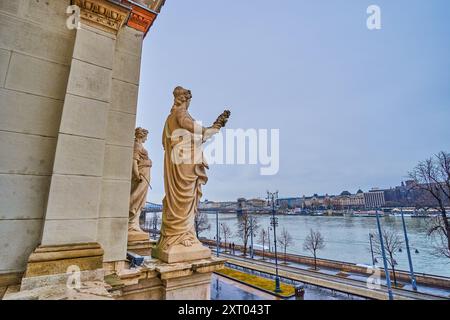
(140, 181)
(184, 176)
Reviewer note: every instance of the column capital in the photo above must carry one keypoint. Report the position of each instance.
(106, 15)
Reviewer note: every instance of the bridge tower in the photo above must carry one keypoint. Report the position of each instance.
(240, 206)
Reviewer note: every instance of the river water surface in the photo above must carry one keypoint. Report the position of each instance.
(347, 238)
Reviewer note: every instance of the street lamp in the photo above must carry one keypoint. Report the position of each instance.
(221, 227)
(217, 233)
(371, 248)
(411, 269)
(251, 238)
(383, 253)
(272, 197)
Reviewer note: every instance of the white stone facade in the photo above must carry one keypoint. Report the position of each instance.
(68, 102)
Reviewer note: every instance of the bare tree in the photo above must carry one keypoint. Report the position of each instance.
(433, 176)
(201, 222)
(285, 240)
(439, 237)
(263, 239)
(154, 223)
(244, 226)
(392, 244)
(142, 219)
(314, 242)
(225, 230)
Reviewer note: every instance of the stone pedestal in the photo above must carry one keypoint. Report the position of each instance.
(188, 281)
(180, 253)
(52, 265)
(155, 280)
(91, 290)
(140, 243)
(69, 272)
(137, 236)
(168, 281)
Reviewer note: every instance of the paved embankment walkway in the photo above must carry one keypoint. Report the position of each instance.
(438, 283)
(328, 281)
(256, 292)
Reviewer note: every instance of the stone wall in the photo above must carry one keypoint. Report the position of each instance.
(35, 54)
(68, 101)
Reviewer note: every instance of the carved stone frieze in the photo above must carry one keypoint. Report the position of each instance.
(102, 14)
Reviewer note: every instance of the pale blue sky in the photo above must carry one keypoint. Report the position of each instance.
(355, 108)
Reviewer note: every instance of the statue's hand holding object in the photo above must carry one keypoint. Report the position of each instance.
(222, 119)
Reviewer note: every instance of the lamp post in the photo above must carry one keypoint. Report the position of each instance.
(272, 197)
(371, 249)
(225, 243)
(383, 253)
(268, 236)
(411, 269)
(251, 238)
(217, 234)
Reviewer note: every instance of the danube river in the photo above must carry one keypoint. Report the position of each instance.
(347, 238)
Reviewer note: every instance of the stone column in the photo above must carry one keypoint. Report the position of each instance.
(118, 157)
(116, 182)
(69, 234)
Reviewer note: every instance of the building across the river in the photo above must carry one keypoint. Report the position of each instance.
(405, 195)
(290, 203)
(374, 198)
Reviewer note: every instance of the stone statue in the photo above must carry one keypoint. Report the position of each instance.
(184, 175)
(140, 182)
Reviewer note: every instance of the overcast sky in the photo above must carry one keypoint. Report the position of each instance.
(355, 108)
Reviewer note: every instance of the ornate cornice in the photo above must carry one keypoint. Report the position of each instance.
(154, 5)
(106, 15)
(143, 13)
(157, 5)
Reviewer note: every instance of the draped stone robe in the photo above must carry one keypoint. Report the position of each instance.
(182, 181)
(139, 189)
